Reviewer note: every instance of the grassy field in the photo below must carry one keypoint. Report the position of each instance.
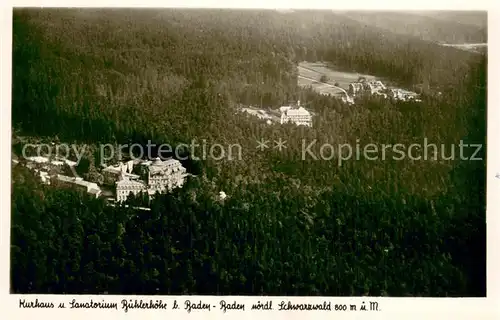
(315, 70)
(472, 47)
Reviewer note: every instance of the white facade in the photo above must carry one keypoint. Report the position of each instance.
(44, 176)
(373, 87)
(222, 195)
(165, 175)
(299, 116)
(347, 99)
(130, 166)
(162, 176)
(38, 159)
(120, 169)
(355, 88)
(366, 87)
(57, 163)
(403, 95)
(126, 186)
(70, 163)
(113, 173)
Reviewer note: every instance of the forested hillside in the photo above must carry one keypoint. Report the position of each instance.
(472, 18)
(442, 27)
(289, 226)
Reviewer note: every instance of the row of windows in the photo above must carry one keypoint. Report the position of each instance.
(162, 186)
(125, 192)
(167, 175)
(167, 170)
(163, 181)
(299, 121)
(157, 181)
(171, 176)
(299, 117)
(132, 188)
(123, 195)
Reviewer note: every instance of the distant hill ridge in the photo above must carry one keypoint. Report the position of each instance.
(444, 27)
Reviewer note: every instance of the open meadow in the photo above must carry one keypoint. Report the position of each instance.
(315, 70)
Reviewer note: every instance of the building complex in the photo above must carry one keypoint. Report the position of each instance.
(296, 114)
(156, 176)
(150, 177)
(377, 88)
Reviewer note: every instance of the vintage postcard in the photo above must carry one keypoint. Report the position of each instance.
(223, 161)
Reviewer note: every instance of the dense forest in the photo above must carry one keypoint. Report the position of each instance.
(442, 27)
(289, 226)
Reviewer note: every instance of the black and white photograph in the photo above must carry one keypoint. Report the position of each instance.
(248, 152)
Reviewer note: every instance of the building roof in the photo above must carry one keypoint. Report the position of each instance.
(112, 169)
(65, 178)
(95, 191)
(57, 162)
(88, 184)
(403, 91)
(70, 163)
(125, 181)
(39, 159)
(160, 166)
(298, 112)
(78, 181)
(156, 170)
(129, 183)
(285, 108)
(157, 162)
(172, 162)
(168, 162)
(131, 175)
(119, 171)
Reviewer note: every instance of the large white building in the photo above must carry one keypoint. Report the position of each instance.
(298, 115)
(165, 175)
(374, 87)
(160, 176)
(355, 88)
(125, 186)
(113, 173)
(90, 187)
(403, 95)
(366, 87)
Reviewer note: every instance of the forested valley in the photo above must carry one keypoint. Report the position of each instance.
(289, 226)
